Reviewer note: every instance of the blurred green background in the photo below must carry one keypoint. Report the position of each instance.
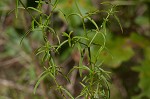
(128, 58)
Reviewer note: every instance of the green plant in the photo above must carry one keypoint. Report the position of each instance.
(143, 69)
(96, 82)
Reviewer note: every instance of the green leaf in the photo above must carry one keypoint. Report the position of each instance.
(16, 10)
(65, 34)
(93, 23)
(139, 40)
(34, 9)
(80, 37)
(74, 20)
(39, 80)
(67, 92)
(142, 20)
(144, 76)
(120, 51)
(119, 22)
(61, 44)
(80, 68)
(32, 25)
(25, 35)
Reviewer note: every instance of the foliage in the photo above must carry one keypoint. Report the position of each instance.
(144, 75)
(62, 38)
(95, 84)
